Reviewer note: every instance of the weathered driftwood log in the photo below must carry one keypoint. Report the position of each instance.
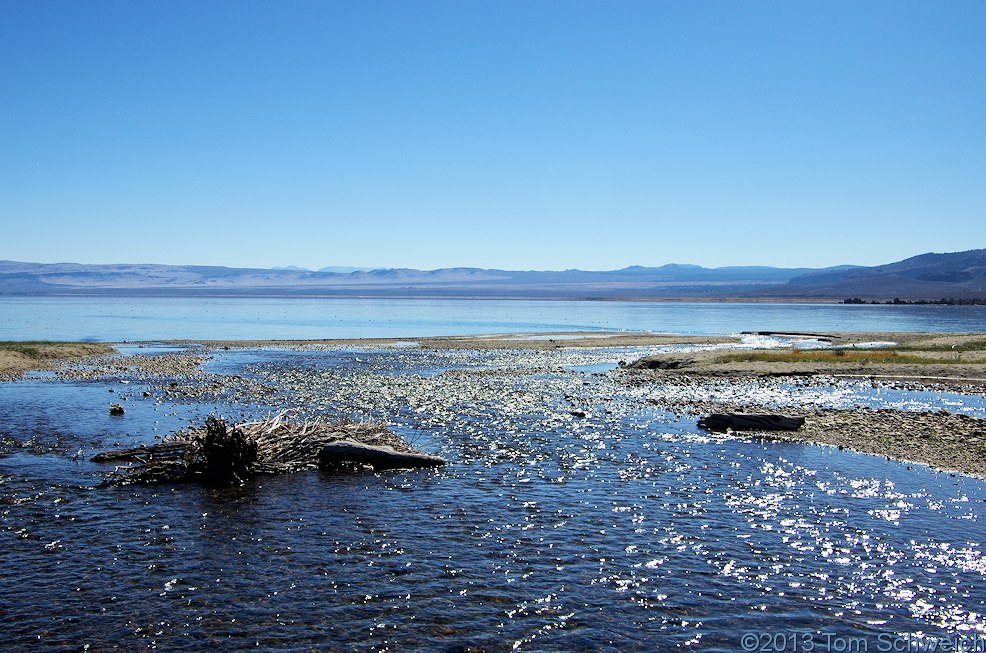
(347, 452)
(750, 422)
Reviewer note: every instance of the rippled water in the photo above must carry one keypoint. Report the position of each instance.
(623, 530)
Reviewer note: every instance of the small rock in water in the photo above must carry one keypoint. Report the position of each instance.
(116, 409)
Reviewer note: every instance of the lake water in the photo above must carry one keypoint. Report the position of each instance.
(626, 529)
(142, 318)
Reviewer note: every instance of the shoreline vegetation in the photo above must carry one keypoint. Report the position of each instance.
(897, 301)
(935, 362)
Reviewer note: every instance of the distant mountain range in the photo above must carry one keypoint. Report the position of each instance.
(926, 277)
(959, 275)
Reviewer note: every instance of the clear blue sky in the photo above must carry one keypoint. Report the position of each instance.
(521, 135)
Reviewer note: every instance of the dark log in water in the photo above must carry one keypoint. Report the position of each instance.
(346, 453)
(721, 422)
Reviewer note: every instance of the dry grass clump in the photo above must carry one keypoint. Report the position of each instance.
(864, 356)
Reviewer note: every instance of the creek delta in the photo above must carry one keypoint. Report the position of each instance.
(576, 514)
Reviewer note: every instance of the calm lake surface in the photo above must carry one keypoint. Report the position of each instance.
(628, 529)
(141, 318)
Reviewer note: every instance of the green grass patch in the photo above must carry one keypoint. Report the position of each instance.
(889, 355)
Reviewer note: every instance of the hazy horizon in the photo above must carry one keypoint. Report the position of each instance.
(343, 269)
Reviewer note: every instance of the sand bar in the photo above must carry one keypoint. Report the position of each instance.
(19, 357)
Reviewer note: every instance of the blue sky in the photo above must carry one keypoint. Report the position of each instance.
(520, 135)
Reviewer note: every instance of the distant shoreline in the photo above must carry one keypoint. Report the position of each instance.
(288, 294)
(189, 294)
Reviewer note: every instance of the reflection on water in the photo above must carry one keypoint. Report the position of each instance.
(613, 527)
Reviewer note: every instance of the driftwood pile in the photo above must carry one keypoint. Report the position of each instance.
(216, 453)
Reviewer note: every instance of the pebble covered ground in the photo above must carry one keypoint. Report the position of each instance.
(429, 387)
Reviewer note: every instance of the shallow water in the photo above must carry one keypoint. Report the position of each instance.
(626, 529)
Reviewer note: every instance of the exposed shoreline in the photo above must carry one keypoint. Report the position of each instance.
(526, 341)
(943, 362)
(19, 357)
(942, 440)
(947, 362)
(954, 359)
